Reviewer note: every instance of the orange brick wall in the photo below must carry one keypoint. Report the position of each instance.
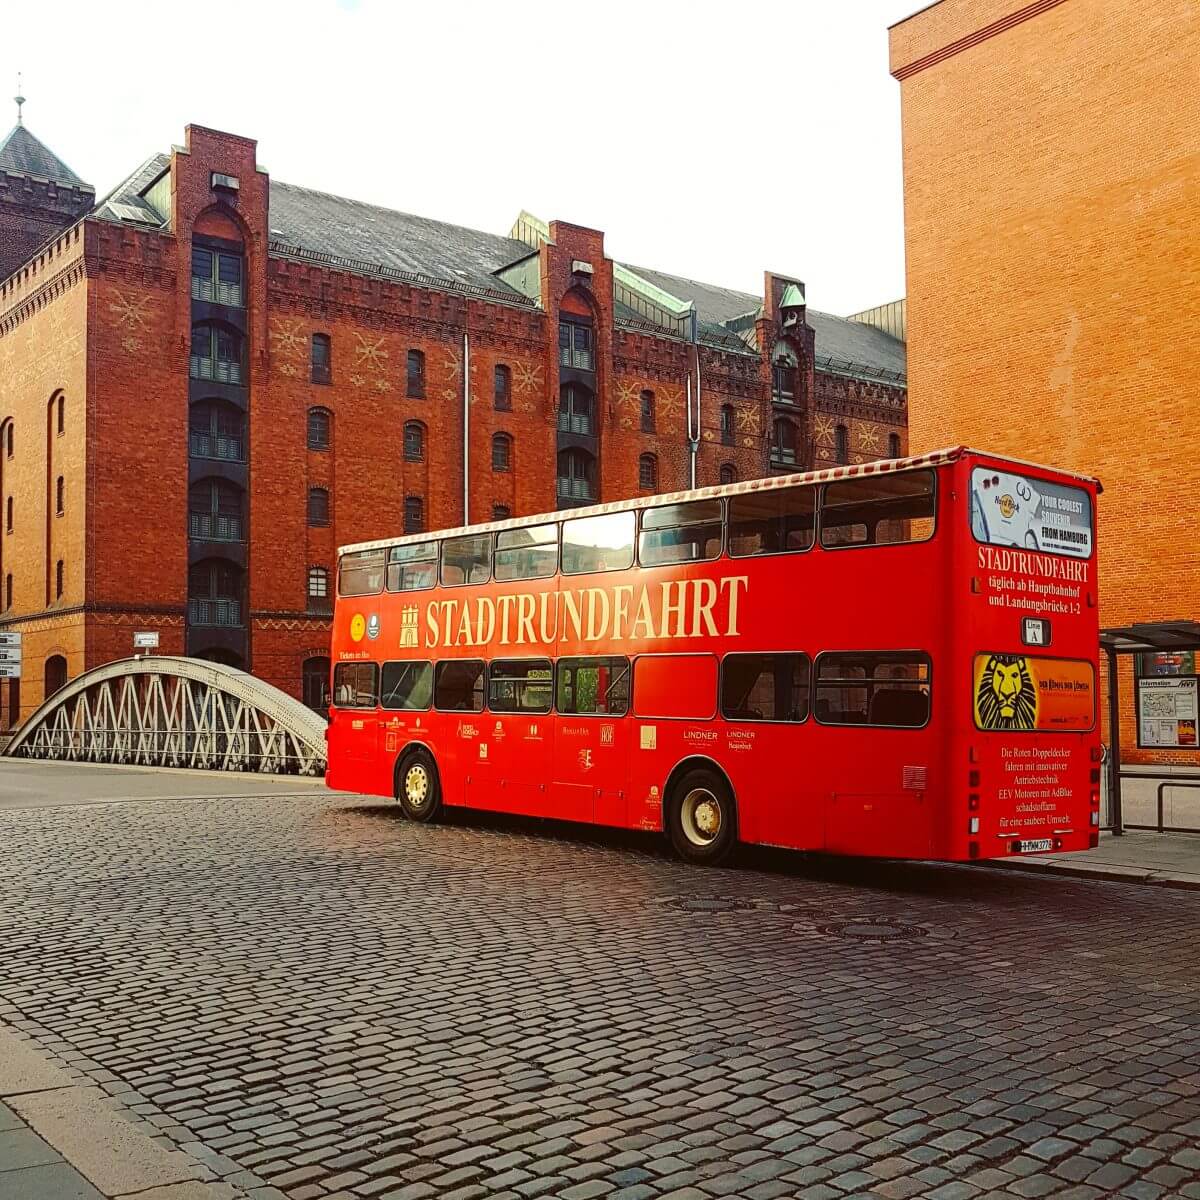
(1052, 219)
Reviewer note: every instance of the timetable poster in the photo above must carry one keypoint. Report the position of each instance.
(1167, 711)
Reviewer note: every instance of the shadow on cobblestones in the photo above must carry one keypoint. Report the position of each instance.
(316, 997)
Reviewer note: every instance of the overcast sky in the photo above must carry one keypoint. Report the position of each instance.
(711, 140)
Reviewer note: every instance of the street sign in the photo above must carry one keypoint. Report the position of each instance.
(10, 639)
(10, 670)
(146, 640)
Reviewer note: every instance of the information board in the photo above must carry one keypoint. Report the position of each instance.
(1167, 711)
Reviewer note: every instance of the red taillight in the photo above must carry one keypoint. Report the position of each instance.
(1094, 799)
(972, 779)
(972, 802)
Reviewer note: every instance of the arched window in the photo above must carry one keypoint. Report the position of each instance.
(726, 424)
(59, 496)
(318, 590)
(501, 512)
(60, 413)
(728, 474)
(215, 511)
(783, 374)
(318, 506)
(58, 579)
(783, 442)
(414, 514)
(575, 409)
(8, 515)
(8, 438)
(843, 444)
(893, 445)
(416, 375)
(503, 388)
(8, 590)
(214, 593)
(216, 429)
(55, 674)
(576, 475)
(501, 452)
(414, 441)
(314, 675)
(648, 473)
(216, 353)
(647, 411)
(320, 425)
(322, 358)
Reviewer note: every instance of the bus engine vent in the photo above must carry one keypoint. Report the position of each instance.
(916, 778)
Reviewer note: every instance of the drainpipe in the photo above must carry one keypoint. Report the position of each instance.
(693, 420)
(466, 428)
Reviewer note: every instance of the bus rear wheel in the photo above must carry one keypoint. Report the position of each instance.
(701, 818)
(417, 787)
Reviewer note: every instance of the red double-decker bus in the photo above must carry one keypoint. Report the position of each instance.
(896, 659)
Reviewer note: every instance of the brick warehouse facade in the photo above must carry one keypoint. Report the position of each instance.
(1066, 243)
(210, 380)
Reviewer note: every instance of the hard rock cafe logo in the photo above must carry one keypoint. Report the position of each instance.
(1008, 506)
(358, 627)
(1006, 697)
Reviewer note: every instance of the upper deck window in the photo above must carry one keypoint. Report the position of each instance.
(467, 559)
(361, 574)
(677, 533)
(1014, 510)
(530, 552)
(412, 568)
(777, 521)
(603, 543)
(876, 510)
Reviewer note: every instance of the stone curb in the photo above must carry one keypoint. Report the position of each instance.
(106, 1147)
(1106, 873)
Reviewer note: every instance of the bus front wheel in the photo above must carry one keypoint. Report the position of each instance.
(417, 786)
(701, 818)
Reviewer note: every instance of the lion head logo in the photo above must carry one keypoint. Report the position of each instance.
(1006, 697)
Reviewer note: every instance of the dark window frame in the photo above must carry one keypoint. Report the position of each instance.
(414, 441)
(360, 563)
(61, 414)
(572, 661)
(562, 543)
(414, 375)
(728, 422)
(383, 684)
(59, 577)
(648, 472)
(868, 684)
(340, 670)
(60, 499)
(502, 451)
(318, 437)
(807, 690)
(841, 448)
(522, 682)
(409, 555)
(467, 537)
(749, 497)
(573, 490)
(498, 550)
(321, 358)
(649, 413)
(857, 480)
(414, 504)
(319, 521)
(719, 522)
(502, 387)
(727, 469)
(479, 688)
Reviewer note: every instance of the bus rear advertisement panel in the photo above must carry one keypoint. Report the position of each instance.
(893, 660)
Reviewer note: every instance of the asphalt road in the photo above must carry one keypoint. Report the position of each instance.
(318, 999)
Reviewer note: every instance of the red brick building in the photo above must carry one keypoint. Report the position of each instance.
(209, 380)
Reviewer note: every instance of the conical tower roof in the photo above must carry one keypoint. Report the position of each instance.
(22, 154)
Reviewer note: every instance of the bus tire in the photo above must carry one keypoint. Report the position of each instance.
(702, 817)
(418, 788)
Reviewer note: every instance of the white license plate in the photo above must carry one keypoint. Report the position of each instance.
(1035, 846)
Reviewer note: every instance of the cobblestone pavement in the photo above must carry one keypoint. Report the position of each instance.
(317, 999)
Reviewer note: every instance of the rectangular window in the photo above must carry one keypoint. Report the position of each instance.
(361, 574)
(407, 685)
(322, 358)
(459, 686)
(521, 685)
(668, 686)
(467, 559)
(575, 346)
(780, 521)
(878, 510)
(1021, 693)
(412, 568)
(678, 533)
(528, 553)
(415, 384)
(229, 280)
(1014, 510)
(354, 685)
(887, 688)
(593, 686)
(603, 543)
(765, 687)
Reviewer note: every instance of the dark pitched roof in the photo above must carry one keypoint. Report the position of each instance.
(840, 343)
(22, 154)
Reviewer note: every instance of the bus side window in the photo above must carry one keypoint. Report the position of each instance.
(530, 552)
(603, 543)
(876, 510)
(667, 686)
(521, 685)
(678, 533)
(776, 521)
(407, 685)
(467, 559)
(458, 686)
(765, 687)
(354, 685)
(360, 574)
(412, 568)
(885, 687)
(593, 685)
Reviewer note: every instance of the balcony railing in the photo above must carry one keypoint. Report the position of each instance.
(569, 422)
(217, 369)
(225, 612)
(215, 527)
(215, 445)
(581, 360)
(216, 291)
(574, 489)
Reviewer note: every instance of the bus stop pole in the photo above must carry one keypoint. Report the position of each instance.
(1114, 738)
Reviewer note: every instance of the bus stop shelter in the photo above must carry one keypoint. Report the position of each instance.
(1154, 638)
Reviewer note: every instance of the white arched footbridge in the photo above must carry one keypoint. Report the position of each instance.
(175, 712)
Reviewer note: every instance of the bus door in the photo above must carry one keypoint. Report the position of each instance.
(520, 735)
(591, 740)
(355, 721)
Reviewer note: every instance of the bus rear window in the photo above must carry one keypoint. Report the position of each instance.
(354, 685)
(1013, 510)
(878, 510)
(888, 688)
(361, 574)
(412, 568)
(675, 685)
